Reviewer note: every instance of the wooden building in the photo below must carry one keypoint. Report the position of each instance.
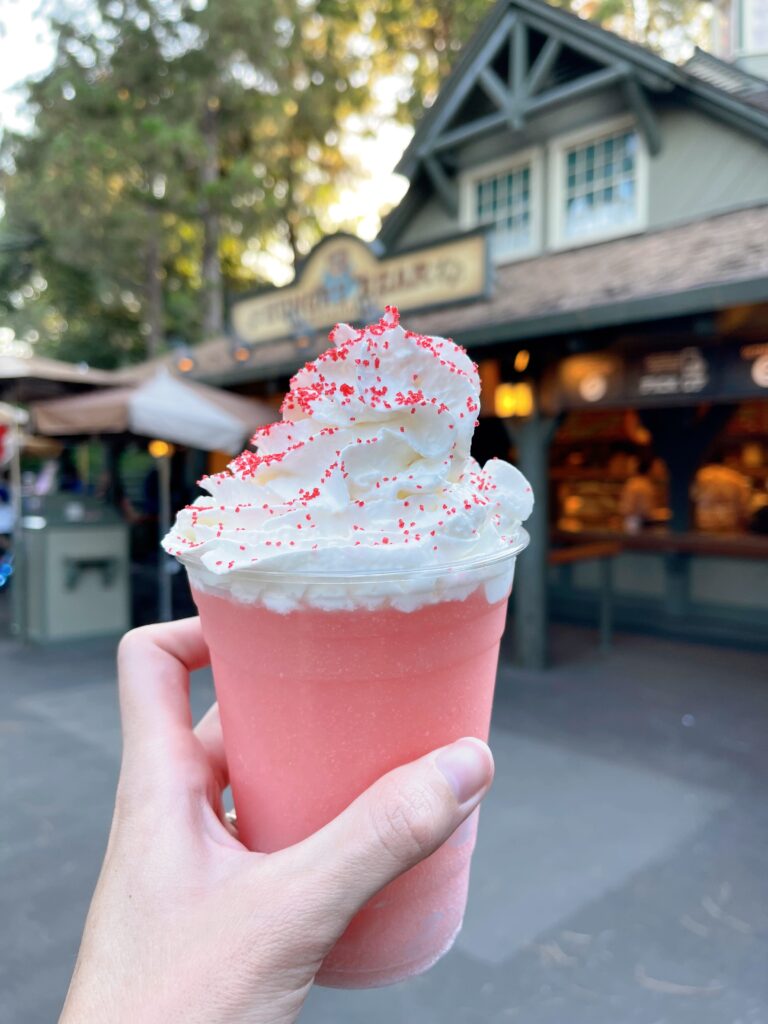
(592, 222)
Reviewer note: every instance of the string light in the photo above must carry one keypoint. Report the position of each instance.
(160, 449)
(513, 400)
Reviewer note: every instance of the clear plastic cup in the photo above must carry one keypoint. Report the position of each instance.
(326, 682)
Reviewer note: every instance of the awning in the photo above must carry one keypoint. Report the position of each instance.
(31, 378)
(96, 412)
(11, 414)
(180, 411)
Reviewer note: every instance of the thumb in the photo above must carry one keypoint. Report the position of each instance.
(400, 820)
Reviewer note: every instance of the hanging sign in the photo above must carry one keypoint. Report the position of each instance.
(343, 280)
(669, 377)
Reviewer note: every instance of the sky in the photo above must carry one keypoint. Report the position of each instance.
(26, 50)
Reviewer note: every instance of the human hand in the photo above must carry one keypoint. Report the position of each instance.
(188, 925)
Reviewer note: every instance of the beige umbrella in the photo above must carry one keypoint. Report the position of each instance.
(181, 411)
(95, 412)
(169, 409)
(26, 377)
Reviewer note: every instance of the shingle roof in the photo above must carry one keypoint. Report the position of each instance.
(728, 77)
(717, 252)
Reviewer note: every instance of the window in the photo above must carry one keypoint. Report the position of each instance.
(504, 196)
(598, 185)
(504, 201)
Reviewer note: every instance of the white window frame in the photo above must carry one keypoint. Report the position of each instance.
(557, 190)
(751, 43)
(469, 179)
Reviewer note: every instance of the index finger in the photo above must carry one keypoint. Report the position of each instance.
(154, 663)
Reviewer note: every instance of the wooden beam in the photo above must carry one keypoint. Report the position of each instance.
(596, 53)
(463, 88)
(575, 90)
(543, 64)
(466, 132)
(516, 118)
(495, 88)
(519, 59)
(643, 111)
(444, 186)
(532, 438)
(513, 116)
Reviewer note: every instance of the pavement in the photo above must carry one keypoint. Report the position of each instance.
(620, 875)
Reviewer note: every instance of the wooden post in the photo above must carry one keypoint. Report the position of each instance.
(19, 585)
(681, 436)
(532, 437)
(606, 603)
(165, 580)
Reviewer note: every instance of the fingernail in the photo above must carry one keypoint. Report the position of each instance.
(467, 766)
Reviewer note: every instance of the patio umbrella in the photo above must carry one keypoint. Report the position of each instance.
(26, 378)
(179, 411)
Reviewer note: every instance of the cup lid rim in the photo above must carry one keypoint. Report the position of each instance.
(265, 574)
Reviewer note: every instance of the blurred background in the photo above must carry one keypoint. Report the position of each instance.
(191, 194)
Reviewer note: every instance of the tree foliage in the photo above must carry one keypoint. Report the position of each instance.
(172, 140)
(177, 145)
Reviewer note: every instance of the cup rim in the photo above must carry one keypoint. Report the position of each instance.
(487, 560)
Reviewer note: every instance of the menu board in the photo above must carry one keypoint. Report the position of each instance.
(663, 376)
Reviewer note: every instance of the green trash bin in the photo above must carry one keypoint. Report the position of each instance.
(74, 571)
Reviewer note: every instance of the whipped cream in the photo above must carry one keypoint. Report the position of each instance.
(369, 471)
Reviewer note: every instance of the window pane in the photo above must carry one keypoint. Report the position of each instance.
(504, 201)
(600, 184)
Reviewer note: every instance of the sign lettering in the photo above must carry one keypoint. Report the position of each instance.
(343, 280)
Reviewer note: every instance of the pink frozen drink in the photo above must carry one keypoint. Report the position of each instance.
(352, 578)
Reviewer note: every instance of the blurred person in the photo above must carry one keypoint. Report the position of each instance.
(110, 489)
(186, 924)
(7, 516)
(44, 482)
(637, 500)
(758, 521)
(721, 497)
(69, 481)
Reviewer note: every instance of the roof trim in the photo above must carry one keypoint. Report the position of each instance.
(703, 299)
(750, 83)
(649, 66)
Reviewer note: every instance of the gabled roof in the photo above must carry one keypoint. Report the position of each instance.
(728, 77)
(628, 61)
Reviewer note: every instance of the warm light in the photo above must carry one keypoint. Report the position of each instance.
(752, 455)
(513, 400)
(160, 449)
(241, 354)
(522, 359)
(303, 341)
(185, 364)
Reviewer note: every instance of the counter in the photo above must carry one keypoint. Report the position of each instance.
(688, 585)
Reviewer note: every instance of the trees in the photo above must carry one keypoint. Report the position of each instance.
(178, 144)
(173, 141)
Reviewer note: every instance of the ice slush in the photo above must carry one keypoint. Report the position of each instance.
(352, 576)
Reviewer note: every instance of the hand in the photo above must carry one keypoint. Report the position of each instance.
(188, 925)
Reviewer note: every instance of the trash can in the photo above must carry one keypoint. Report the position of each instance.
(75, 569)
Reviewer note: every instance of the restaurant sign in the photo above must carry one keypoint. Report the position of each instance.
(672, 377)
(343, 280)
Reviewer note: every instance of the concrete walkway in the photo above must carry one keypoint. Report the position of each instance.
(621, 875)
